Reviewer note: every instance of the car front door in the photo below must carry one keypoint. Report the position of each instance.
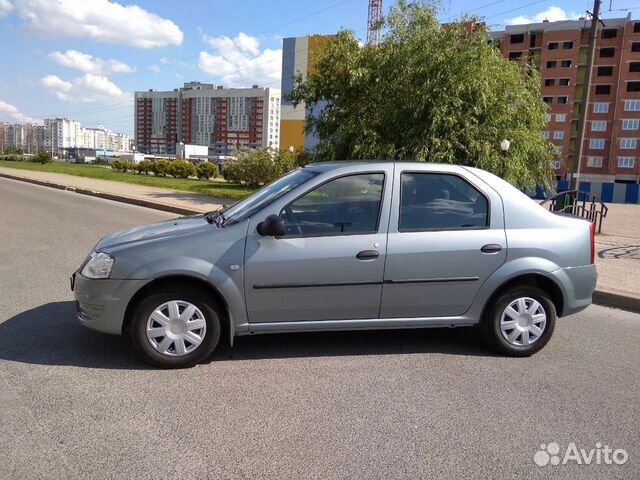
(329, 264)
(446, 236)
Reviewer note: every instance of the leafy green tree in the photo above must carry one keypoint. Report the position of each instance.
(161, 167)
(144, 167)
(428, 92)
(42, 157)
(181, 169)
(206, 170)
(259, 166)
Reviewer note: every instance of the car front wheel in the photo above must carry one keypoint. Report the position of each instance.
(175, 327)
(520, 321)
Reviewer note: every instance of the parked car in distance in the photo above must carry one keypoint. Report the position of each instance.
(344, 246)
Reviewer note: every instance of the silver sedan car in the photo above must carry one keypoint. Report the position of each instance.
(344, 246)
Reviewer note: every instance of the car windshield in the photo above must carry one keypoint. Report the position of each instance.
(266, 195)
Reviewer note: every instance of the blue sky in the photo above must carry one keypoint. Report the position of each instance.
(83, 59)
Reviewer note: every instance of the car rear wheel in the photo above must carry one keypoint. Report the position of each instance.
(175, 327)
(520, 322)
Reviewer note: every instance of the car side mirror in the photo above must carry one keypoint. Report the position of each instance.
(272, 226)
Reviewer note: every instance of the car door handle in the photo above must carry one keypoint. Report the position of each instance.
(491, 248)
(367, 255)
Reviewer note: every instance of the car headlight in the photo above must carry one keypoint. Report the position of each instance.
(98, 266)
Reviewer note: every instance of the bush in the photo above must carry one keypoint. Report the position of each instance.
(181, 169)
(42, 157)
(144, 167)
(161, 167)
(11, 158)
(123, 165)
(206, 170)
(116, 165)
(259, 166)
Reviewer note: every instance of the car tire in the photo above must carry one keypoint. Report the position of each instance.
(519, 322)
(192, 317)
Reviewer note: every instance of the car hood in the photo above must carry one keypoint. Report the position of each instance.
(170, 228)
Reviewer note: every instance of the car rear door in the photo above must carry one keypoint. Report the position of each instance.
(446, 236)
(329, 264)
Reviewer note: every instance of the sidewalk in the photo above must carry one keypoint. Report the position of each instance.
(160, 198)
(617, 248)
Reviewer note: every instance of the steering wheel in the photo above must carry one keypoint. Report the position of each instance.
(291, 221)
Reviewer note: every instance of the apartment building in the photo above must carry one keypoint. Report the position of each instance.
(227, 120)
(611, 150)
(298, 57)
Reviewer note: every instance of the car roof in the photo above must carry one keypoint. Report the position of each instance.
(328, 166)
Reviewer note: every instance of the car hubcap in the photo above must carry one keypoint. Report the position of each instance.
(523, 322)
(176, 328)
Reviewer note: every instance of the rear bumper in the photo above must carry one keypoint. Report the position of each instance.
(101, 304)
(578, 285)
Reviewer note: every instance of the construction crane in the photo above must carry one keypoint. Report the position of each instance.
(373, 24)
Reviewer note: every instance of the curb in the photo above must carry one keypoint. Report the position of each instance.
(106, 196)
(600, 297)
(615, 300)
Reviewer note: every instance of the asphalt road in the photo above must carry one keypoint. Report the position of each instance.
(406, 404)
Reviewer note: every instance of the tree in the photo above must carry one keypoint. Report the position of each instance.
(428, 92)
(206, 170)
(42, 157)
(161, 167)
(144, 167)
(259, 166)
(181, 169)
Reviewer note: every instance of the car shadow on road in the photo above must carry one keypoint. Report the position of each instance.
(50, 335)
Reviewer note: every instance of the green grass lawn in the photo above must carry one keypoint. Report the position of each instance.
(212, 188)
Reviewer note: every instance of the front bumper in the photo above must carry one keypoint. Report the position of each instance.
(101, 304)
(578, 285)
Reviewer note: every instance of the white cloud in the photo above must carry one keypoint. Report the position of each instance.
(10, 113)
(155, 68)
(553, 14)
(88, 63)
(100, 20)
(6, 7)
(89, 88)
(240, 62)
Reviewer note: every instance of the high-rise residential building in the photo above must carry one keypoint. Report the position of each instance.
(227, 120)
(298, 58)
(611, 149)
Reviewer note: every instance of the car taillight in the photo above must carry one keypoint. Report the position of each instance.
(592, 232)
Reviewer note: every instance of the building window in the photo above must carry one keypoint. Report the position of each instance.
(635, 47)
(558, 135)
(634, 66)
(596, 143)
(636, 27)
(632, 105)
(547, 100)
(562, 100)
(549, 82)
(565, 63)
(626, 162)
(564, 82)
(630, 124)
(552, 64)
(603, 89)
(600, 107)
(594, 162)
(545, 134)
(567, 45)
(633, 86)
(515, 55)
(605, 71)
(628, 143)
(607, 52)
(609, 33)
(598, 126)
(561, 117)
(557, 164)
(517, 38)
(553, 45)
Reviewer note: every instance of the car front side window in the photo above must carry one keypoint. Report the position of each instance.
(348, 205)
(438, 201)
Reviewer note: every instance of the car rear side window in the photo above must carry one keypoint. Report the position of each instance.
(347, 205)
(440, 201)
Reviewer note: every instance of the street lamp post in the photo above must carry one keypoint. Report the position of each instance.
(504, 146)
